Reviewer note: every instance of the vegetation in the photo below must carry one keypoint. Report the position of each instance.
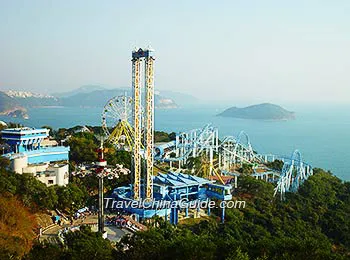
(275, 165)
(17, 226)
(265, 111)
(37, 196)
(83, 147)
(162, 137)
(246, 169)
(311, 224)
(83, 244)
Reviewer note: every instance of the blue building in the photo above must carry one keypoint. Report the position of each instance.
(182, 190)
(49, 164)
(24, 139)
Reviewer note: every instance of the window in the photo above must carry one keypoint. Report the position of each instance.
(50, 182)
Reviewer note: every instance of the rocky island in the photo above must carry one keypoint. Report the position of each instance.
(19, 112)
(265, 111)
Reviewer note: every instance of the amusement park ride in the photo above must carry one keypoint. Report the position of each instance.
(128, 123)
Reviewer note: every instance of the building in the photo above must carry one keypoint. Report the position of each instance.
(174, 187)
(27, 155)
(50, 174)
(24, 139)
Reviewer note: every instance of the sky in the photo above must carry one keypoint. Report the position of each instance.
(237, 51)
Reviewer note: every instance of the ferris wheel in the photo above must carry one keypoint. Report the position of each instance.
(116, 121)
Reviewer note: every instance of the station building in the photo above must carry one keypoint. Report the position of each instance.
(173, 187)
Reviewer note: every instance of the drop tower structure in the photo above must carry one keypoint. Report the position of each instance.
(143, 120)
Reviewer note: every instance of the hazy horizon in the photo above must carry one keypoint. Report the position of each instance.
(247, 52)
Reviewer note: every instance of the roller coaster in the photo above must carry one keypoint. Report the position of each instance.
(128, 123)
(227, 156)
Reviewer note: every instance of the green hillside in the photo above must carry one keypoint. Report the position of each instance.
(265, 111)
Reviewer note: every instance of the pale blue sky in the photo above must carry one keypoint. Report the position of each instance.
(251, 51)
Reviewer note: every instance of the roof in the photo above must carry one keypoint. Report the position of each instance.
(25, 130)
(179, 179)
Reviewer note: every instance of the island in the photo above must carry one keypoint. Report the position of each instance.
(19, 112)
(11, 108)
(265, 111)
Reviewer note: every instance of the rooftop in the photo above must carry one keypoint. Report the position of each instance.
(179, 179)
(25, 130)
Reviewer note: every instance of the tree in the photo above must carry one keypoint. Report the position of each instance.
(85, 244)
(4, 162)
(70, 197)
(51, 132)
(83, 147)
(114, 156)
(45, 251)
(17, 226)
(275, 165)
(246, 169)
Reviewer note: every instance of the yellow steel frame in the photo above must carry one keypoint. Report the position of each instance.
(149, 82)
(137, 127)
(123, 128)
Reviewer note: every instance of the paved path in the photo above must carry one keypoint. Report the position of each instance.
(113, 233)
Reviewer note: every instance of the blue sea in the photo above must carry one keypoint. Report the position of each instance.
(322, 134)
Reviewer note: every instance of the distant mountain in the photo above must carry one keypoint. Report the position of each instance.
(85, 96)
(265, 111)
(179, 98)
(82, 89)
(99, 98)
(10, 106)
(7, 102)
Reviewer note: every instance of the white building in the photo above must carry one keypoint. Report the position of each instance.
(50, 174)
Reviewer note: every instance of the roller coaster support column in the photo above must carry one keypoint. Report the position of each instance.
(174, 218)
(211, 161)
(195, 144)
(177, 142)
(223, 214)
(209, 208)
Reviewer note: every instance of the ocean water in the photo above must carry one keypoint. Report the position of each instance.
(322, 134)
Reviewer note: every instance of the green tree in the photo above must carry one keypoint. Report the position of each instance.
(85, 244)
(83, 148)
(45, 251)
(71, 197)
(275, 165)
(51, 132)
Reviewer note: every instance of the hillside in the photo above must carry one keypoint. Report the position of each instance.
(265, 111)
(98, 98)
(9, 106)
(6, 102)
(82, 89)
(15, 103)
